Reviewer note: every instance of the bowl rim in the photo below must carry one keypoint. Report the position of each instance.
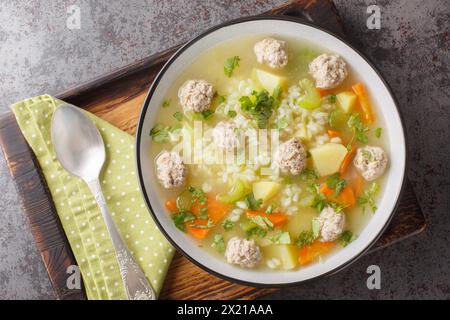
(147, 103)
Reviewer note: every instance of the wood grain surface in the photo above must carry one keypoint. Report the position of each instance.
(117, 98)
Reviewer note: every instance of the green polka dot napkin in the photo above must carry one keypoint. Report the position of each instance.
(79, 213)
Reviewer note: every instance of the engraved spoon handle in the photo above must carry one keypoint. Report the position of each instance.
(134, 280)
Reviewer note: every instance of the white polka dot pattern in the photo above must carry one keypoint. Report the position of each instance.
(80, 216)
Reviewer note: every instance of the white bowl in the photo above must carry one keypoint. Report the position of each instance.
(295, 29)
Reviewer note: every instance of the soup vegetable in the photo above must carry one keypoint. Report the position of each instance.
(309, 193)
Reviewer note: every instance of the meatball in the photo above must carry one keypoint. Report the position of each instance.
(271, 51)
(332, 224)
(196, 95)
(243, 252)
(291, 156)
(225, 135)
(170, 170)
(371, 162)
(329, 71)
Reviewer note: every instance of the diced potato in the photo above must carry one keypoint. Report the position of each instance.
(301, 221)
(265, 190)
(268, 80)
(346, 100)
(286, 253)
(328, 158)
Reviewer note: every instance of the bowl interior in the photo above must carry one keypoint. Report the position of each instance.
(387, 112)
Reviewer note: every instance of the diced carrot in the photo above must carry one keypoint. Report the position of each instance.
(333, 133)
(199, 233)
(276, 218)
(171, 205)
(215, 210)
(308, 254)
(322, 92)
(357, 184)
(346, 197)
(363, 97)
(347, 160)
(326, 190)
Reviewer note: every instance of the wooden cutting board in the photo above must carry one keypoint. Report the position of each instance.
(117, 98)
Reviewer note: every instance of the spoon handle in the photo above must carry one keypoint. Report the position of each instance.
(134, 280)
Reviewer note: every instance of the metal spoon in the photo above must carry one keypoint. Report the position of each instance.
(81, 151)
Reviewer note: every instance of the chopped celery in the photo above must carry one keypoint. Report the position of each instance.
(337, 119)
(248, 225)
(236, 193)
(311, 98)
(184, 200)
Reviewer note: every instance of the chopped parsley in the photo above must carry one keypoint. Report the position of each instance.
(218, 243)
(308, 175)
(320, 200)
(262, 222)
(166, 103)
(181, 217)
(346, 237)
(359, 131)
(227, 225)
(221, 99)
(282, 237)
(178, 115)
(335, 182)
(305, 238)
(368, 198)
(197, 194)
(259, 105)
(251, 202)
(230, 65)
(257, 231)
(332, 98)
(377, 132)
(367, 154)
(232, 113)
(269, 209)
(160, 133)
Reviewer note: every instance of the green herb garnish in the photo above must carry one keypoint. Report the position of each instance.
(197, 194)
(335, 182)
(218, 243)
(305, 238)
(368, 198)
(257, 231)
(221, 99)
(346, 237)
(359, 131)
(262, 222)
(160, 132)
(181, 217)
(232, 113)
(269, 209)
(377, 132)
(332, 98)
(367, 154)
(259, 105)
(178, 115)
(166, 103)
(227, 225)
(308, 175)
(230, 65)
(251, 202)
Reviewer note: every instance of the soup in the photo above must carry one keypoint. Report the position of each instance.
(269, 153)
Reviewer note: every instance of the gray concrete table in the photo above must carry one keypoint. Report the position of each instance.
(39, 53)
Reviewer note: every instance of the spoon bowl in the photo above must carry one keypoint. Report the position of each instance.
(77, 142)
